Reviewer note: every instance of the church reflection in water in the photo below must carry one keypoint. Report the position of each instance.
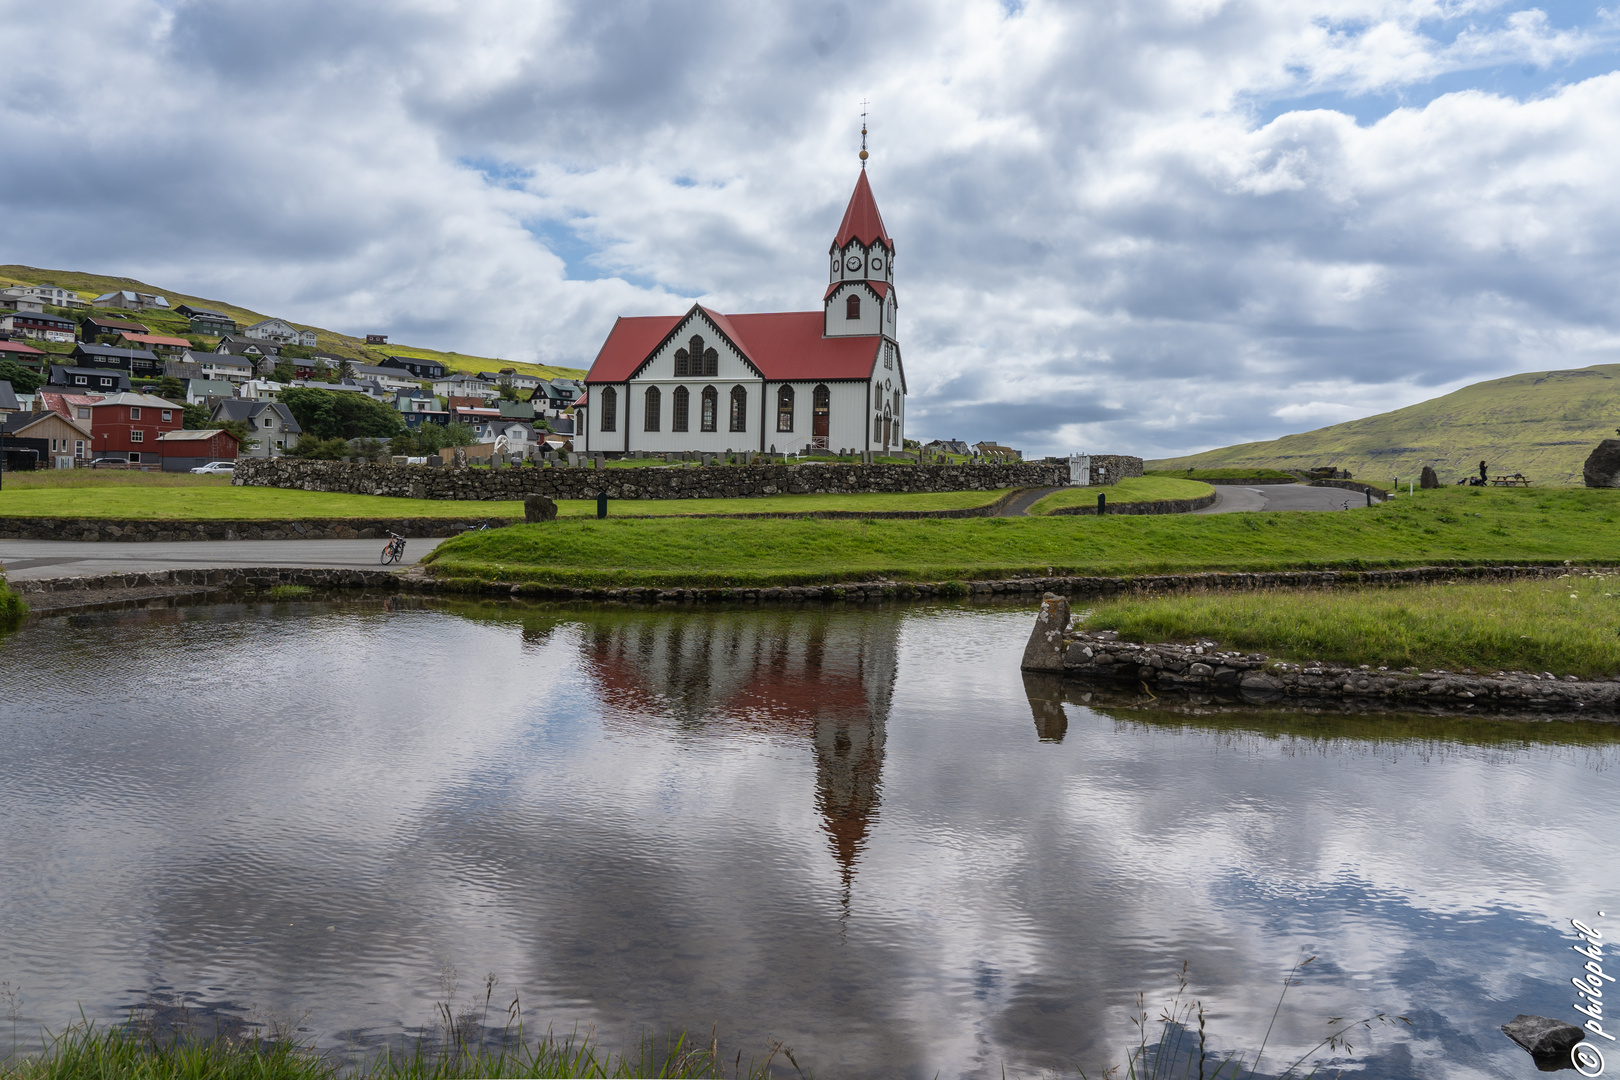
(820, 678)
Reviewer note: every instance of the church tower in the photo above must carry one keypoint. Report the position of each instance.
(860, 298)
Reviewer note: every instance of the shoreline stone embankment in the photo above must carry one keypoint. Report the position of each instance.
(513, 482)
(1204, 668)
(415, 580)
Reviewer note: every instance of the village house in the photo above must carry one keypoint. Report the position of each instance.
(58, 441)
(463, 385)
(241, 346)
(93, 328)
(21, 303)
(419, 368)
(87, 380)
(523, 384)
(140, 363)
(26, 355)
(206, 391)
(203, 321)
(182, 451)
(158, 343)
(281, 332)
(39, 324)
(271, 422)
(802, 380)
(46, 294)
(222, 366)
(128, 425)
(134, 301)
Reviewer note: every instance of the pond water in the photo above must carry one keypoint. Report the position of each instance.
(856, 831)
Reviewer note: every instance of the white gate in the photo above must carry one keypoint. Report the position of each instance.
(1079, 470)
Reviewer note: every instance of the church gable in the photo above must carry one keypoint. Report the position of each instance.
(698, 347)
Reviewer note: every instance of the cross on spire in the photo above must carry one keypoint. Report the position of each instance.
(864, 103)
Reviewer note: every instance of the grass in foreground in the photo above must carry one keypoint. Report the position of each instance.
(1457, 525)
(1568, 626)
(12, 608)
(1133, 489)
(86, 1053)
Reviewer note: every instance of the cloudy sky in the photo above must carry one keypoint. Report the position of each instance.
(1151, 226)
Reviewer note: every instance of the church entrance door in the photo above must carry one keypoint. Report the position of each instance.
(820, 408)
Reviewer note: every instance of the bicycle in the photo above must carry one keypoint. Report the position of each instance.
(394, 549)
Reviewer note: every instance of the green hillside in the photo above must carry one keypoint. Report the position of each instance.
(90, 286)
(1542, 424)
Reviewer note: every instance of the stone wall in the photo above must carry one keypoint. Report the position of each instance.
(671, 482)
(1159, 506)
(106, 529)
(1118, 467)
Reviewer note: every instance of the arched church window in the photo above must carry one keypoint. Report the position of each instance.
(852, 307)
(711, 408)
(877, 427)
(677, 421)
(711, 363)
(888, 355)
(888, 428)
(784, 409)
(655, 408)
(682, 359)
(897, 402)
(610, 409)
(739, 409)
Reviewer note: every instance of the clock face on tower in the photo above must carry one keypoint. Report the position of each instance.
(853, 262)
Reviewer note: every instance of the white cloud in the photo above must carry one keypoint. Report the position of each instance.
(1100, 234)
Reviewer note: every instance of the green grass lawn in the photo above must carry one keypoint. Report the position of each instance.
(1466, 525)
(106, 493)
(1569, 626)
(1134, 489)
(1237, 473)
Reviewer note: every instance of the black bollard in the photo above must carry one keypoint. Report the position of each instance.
(1369, 498)
(1102, 503)
(601, 505)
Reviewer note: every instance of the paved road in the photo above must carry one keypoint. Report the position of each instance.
(68, 558)
(1229, 498)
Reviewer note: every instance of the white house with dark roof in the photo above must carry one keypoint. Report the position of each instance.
(279, 330)
(829, 379)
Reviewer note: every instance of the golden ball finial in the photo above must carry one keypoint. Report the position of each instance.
(863, 155)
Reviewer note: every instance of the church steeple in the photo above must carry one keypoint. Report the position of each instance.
(860, 296)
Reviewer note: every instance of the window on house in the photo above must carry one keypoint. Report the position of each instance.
(784, 409)
(739, 409)
(888, 355)
(137, 436)
(897, 402)
(610, 408)
(711, 408)
(135, 458)
(83, 412)
(134, 413)
(852, 307)
(655, 408)
(78, 448)
(80, 380)
(877, 428)
(168, 415)
(683, 399)
(682, 360)
(268, 422)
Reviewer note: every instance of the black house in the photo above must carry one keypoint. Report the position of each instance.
(419, 369)
(138, 362)
(87, 380)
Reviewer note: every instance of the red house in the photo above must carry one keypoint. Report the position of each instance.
(128, 426)
(185, 450)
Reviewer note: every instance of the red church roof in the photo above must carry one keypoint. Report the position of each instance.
(861, 218)
(879, 287)
(782, 345)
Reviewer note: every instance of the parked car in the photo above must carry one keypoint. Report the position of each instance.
(217, 468)
(103, 461)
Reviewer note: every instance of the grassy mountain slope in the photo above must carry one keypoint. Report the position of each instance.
(90, 286)
(1542, 424)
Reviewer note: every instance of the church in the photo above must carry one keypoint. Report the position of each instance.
(790, 380)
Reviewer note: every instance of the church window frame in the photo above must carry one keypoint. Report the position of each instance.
(711, 363)
(682, 362)
(784, 408)
(739, 408)
(711, 409)
(653, 410)
(852, 306)
(877, 427)
(680, 406)
(610, 409)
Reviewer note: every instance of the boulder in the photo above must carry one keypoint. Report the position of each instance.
(1546, 1039)
(1603, 465)
(538, 508)
(1427, 479)
(1045, 649)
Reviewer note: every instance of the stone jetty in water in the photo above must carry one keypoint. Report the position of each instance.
(1203, 667)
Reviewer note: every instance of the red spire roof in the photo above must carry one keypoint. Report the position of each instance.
(861, 218)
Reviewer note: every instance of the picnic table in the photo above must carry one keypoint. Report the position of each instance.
(1513, 480)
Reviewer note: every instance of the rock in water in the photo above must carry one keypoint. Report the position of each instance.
(1544, 1037)
(1427, 479)
(1603, 465)
(1045, 649)
(539, 508)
